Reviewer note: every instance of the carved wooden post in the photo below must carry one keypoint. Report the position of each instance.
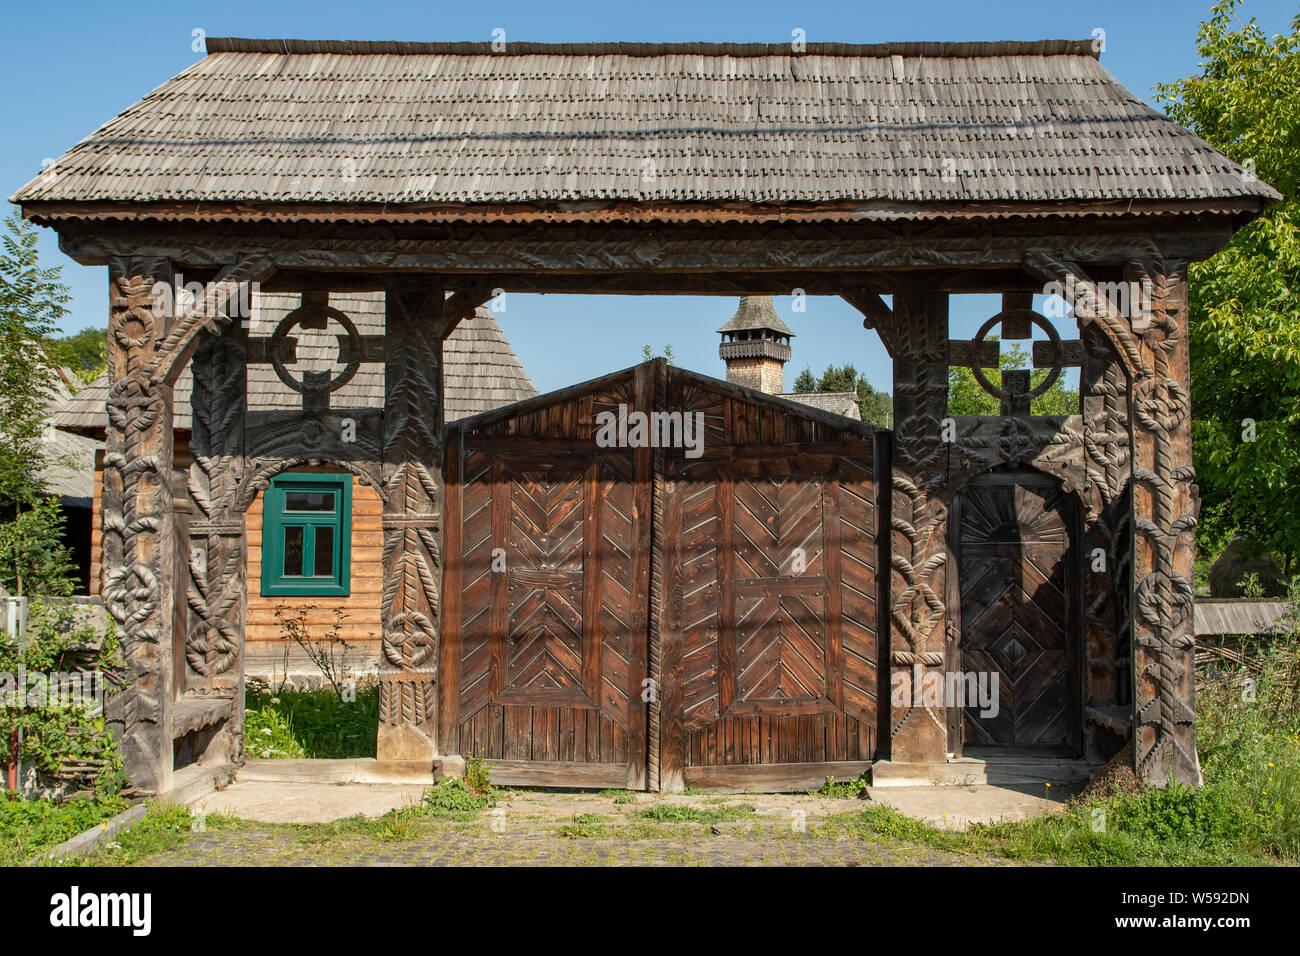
(415, 325)
(918, 618)
(1104, 386)
(218, 590)
(137, 515)
(1164, 522)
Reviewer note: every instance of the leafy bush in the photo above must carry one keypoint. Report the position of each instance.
(451, 795)
(67, 742)
(316, 724)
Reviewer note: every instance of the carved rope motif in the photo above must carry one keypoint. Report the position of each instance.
(137, 520)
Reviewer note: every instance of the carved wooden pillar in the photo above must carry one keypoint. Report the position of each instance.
(1164, 522)
(137, 518)
(413, 503)
(1107, 558)
(218, 589)
(918, 617)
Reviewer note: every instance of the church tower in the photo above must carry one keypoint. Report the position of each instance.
(756, 345)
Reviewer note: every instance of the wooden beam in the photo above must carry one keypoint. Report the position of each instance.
(876, 314)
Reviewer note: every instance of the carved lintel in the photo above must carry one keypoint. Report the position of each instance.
(1048, 443)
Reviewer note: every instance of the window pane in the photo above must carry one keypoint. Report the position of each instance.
(293, 552)
(309, 501)
(324, 559)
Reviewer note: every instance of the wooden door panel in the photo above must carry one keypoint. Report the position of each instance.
(548, 661)
(773, 580)
(1016, 572)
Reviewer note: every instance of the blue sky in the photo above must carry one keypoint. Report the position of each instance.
(69, 67)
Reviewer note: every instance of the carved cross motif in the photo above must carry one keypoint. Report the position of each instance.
(281, 350)
(1017, 320)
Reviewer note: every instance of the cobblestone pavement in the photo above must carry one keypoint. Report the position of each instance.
(450, 846)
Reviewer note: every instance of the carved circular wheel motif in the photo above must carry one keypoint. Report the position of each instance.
(354, 348)
(1058, 359)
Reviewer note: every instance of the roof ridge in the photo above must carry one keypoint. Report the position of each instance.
(1086, 47)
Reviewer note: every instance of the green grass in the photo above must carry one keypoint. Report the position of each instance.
(673, 813)
(619, 796)
(164, 827)
(453, 797)
(315, 724)
(29, 827)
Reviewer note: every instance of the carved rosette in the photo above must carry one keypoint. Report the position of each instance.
(217, 593)
(137, 522)
(1164, 527)
(918, 616)
(413, 500)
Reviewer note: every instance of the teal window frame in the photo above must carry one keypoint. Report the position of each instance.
(276, 519)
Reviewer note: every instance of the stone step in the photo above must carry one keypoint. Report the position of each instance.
(347, 770)
(983, 771)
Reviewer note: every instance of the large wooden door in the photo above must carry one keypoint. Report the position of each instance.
(1019, 620)
(741, 560)
(545, 638)
(769, 643)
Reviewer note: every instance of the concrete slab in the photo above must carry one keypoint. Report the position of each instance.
(320, 801)
(957, 807)
(274, 802)
(974, 771)
(353, 770)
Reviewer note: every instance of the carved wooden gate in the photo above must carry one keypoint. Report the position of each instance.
(621, 614)
(1019, 619)
(770, 641)
(546, 590)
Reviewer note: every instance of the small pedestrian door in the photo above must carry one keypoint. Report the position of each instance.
(1019, 619)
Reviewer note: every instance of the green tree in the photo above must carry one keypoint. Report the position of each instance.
(33, 301)
(1245, 302)
(875, 406)
(86, 353)
(647, 353)
(967, 397)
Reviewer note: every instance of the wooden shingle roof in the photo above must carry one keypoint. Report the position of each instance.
(898, 130)
(841, 403)
(755, 312)
(480, 369)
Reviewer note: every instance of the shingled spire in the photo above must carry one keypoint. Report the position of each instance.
(756, 345)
